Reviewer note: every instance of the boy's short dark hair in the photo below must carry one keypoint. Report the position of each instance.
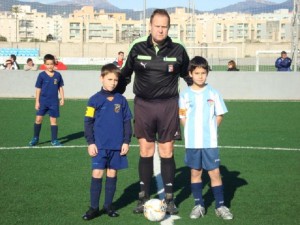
(283, 53)
(13, 56)
(29, 60)
(110, 68)
(161, 12)
(120, 52)
(49, 57)
(198, 61)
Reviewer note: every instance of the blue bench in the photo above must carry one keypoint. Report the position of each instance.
(26, 52)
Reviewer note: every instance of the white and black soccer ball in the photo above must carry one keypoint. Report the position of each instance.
(155, 209)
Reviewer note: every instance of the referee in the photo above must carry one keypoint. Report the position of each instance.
(158, 62)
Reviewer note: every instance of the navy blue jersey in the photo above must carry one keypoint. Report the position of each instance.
(283, 64)
(105, 121)
(49, 87)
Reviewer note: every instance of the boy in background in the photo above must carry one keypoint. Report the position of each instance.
(120, 60)
(58, 65)
(30, 65)
(13, 58)
(201, 111)
(283, 63)
(49, 83)
(107, 126)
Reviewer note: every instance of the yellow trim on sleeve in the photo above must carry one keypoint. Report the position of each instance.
(90, 112)
(182, 112)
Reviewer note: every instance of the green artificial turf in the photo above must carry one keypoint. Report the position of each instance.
(260, 154)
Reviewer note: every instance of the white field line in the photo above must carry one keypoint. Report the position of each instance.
(169, 219)
(136, 146)
(157, 174)
(131, 100)
(261, 148)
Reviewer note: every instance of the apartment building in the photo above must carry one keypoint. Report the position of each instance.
(87, 25)
(24, 24)
(90, 26)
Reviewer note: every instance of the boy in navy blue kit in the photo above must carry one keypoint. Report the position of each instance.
(201, 110)
(49, 83)
(108, 131)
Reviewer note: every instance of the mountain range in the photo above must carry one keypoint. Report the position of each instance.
(255, 7)
(66, 7)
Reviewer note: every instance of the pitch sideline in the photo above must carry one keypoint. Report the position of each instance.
(136, 146)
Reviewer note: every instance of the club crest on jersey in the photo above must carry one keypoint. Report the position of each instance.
(117, 108)
(170, 68)
(55, 81)
(210, 102)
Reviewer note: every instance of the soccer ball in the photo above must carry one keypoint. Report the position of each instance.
(155, 209)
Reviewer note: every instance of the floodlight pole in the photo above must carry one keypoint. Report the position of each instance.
(144, 22)
(295, 33)
(193, 23)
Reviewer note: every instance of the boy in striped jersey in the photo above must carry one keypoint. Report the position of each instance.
(201, 111)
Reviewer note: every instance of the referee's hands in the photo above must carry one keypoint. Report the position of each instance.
(122, 83)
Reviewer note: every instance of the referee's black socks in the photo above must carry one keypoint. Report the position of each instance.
(145, 173)
(168, 173)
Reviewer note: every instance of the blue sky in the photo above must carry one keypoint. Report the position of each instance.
(139, 4)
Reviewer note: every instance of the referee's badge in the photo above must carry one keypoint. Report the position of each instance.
(117, 108)
(55, 81)
(170, 68)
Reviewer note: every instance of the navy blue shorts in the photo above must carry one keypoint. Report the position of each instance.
(51, 109)
(110, 159)
(202, 158)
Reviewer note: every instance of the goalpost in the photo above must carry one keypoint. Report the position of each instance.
(269, 59)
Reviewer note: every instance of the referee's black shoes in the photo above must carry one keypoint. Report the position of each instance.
(140, 204)
(171, 207)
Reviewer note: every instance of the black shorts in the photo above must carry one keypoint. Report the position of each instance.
(157, 120)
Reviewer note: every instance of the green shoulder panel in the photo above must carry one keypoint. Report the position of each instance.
(138, 40)
(178, 41)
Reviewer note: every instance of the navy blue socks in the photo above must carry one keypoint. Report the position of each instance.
(219, 196)
(54, 130)
(36, 130)
(95, 191)
(196, 189)
(110, 189)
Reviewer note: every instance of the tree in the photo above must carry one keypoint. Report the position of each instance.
(3, 38)
(15, 9)
(49, 37)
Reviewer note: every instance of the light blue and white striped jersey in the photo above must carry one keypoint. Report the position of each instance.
(201, 108)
